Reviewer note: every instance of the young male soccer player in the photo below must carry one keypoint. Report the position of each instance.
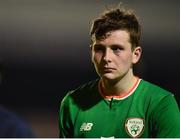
(119, 104)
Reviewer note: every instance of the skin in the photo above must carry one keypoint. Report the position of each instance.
(113, 58)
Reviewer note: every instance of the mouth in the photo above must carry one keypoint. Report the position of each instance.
(108, 69)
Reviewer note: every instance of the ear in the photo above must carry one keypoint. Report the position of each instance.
(136, 54)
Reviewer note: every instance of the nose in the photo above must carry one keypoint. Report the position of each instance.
(107, 55)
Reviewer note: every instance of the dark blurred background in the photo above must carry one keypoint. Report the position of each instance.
(44, 52)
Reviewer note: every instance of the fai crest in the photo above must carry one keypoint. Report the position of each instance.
(134, 126)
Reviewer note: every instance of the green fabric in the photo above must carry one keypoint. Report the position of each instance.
(84, 113)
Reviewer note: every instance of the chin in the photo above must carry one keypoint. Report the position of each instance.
(108, 76)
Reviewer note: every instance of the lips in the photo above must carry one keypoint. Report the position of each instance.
(108, 69)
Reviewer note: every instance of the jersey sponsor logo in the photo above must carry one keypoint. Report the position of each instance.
(134, 126)
(86, 127)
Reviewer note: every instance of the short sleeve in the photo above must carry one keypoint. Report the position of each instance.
(166, 117)
(65, 125)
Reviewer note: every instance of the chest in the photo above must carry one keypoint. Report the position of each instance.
(111, 119)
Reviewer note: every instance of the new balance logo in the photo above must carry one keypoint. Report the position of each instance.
(86, 126)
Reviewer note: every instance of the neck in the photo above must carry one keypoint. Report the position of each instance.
(119, 86)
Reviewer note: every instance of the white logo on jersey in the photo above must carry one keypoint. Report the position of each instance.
(86, 126)
(107, 137)
(134, 126)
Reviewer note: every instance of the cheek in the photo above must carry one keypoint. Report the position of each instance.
(126, 60)
(96, 58)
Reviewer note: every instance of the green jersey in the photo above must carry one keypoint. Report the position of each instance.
(148, 111)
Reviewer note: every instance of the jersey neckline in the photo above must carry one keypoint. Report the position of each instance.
(119, 97)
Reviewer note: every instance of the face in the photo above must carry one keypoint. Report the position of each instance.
(113, 56)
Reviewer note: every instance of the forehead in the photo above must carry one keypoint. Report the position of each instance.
(116, 37)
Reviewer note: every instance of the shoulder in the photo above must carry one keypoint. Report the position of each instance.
(155, 96)
(153, 89)
(82, 89)
(81, 94)
(162, 109)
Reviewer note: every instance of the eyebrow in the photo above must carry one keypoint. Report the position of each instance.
(98, 44)
(113, 45)
(116, 45)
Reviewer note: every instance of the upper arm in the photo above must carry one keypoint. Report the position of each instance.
(166, 117)
(64, 119)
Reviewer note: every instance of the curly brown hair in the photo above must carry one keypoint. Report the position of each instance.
(115, 19)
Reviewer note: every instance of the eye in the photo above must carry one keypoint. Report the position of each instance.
(117, 49)
(99, 48)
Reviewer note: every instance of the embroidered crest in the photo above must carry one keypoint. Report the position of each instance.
(134, 126)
